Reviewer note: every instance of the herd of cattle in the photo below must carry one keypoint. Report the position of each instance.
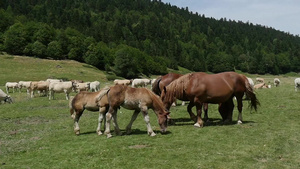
(51, 86)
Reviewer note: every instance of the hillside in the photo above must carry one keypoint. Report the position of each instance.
(143, 37)
(17, 68)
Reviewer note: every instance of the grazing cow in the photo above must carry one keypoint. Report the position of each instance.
(24, 84)
(82, 86)
(60, 87)
(140, 82)
(262, 86)
(260, 80)
(122, 82)
(4, 97)
(297, 84)
(13, 85)
(259, 86)
(77, 81)
(95, 86)
(41, 86)
(53, 80)
(90, 101)
(152, 82)
(276, 82)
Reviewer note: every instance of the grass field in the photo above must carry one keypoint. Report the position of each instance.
(38, 133)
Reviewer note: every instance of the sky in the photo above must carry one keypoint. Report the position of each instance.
(282, 15)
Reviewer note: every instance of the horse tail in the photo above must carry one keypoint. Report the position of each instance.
(155, 86)
(103, 92)
(250, 93)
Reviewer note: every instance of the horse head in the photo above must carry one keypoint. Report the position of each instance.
(163, 121)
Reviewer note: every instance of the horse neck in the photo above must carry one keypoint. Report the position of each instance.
(157, 104)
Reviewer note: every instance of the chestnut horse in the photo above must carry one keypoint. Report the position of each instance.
(163, 81)
(200, 88)
(137, 99)
(90, 101)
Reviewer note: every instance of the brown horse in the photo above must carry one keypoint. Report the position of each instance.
(90, 101)
(199, 88)
(163, 81)
(138, 99)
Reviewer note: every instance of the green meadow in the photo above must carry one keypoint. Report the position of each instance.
(38, 132)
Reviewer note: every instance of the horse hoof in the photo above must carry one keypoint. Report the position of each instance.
(197, 125)
(128, 132)
(99, 133)
(77, 132)
(109, 136)
(239, 122)
(152, 134)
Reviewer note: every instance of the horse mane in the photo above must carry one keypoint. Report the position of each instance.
(102, 93)
(176, 88)
(155, 86)
(250, 93)
(157, 102)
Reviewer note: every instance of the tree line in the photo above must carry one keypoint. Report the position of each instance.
(132, 37)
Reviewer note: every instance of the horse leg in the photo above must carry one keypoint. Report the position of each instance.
(147, 120)
(240, 108)
(189, 109)
(115, 123)
(133, 118)
(205, 108)
(108, 119)
(100, 119)
(199, 122)
(76, 122)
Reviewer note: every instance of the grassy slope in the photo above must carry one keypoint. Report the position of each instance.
(17, 68)
(38, 133)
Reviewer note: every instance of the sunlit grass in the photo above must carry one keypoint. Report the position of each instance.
(38, 133)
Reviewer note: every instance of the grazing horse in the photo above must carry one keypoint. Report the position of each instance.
(163, 81)
(90, 101)
(137, 99)
(200, 88)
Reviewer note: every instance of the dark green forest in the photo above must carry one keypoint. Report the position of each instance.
(135, 37)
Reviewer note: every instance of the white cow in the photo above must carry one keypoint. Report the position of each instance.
(41, 86)
(122, 82)
(53, 80)
(82, 86)
(152, 81)
(276, 82)
(260, 80)
(13, 85)
(297, 84)
(95, 86)
(60, 87)
(259, 86)
(4, 97)
(140, 82)
(24, 84)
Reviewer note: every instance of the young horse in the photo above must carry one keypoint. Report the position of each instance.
(90, 101)
(200, 88)
(138, 99)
